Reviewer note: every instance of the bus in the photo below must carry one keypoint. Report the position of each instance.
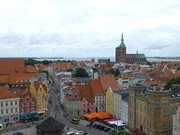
(31, 116)
(25, 117)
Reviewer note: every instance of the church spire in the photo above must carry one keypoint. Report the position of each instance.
(122, 38)
(122, 45)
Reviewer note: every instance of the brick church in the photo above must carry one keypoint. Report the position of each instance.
(122, 56)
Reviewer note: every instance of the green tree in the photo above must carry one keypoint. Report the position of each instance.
(119, 132)
(46, 62)
(171, 82)
(31, 61)
(80, 72)
(115, 72)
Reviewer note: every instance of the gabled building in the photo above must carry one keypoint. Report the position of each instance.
(87, 99)
(27, 102)
(109, 100)
(38, 91)
(98, 94)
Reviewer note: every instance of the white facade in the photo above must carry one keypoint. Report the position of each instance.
(9, 110)
(124, 111)
(64, 75)
(123, 83)
(176, 122)
(116, 105)
(120, 106)
(100, 103)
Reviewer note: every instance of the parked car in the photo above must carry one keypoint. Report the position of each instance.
(75, 121)
(101, 128)
(107, 129)
(97, 126)
(94, 125)
(80, 132)
(18, 133)
(70, 133)
(1, 127)
(86, 133)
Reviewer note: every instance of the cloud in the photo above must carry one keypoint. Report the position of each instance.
(88, 27)
(157, 47)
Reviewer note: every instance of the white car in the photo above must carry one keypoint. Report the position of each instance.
(80, 132)
(1, 127)
(71, 133)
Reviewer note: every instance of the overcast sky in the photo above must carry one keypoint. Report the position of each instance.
(89, 28)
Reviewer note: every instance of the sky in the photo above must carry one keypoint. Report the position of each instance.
(88, 28)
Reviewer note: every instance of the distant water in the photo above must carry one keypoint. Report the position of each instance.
(150, 59)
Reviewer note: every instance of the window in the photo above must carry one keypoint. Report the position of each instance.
(16, 110)
(2, 112)
(11, 110)
(1, 103)
(6, 103)
(11, 102)
(7, 111)
(15, 102)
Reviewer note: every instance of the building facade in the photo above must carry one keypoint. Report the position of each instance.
(152, 110)
(9, 106)
(38, 91)
(72, 106)
(176, 122)
(27, 103)
(109, 100)
(120, 105)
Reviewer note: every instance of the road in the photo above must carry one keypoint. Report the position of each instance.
(27, 131)
(55, 109)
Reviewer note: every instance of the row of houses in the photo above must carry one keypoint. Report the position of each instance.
(98, 95)
(14, 102)
(22, 89)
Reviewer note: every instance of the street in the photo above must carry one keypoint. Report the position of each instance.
(55, 109)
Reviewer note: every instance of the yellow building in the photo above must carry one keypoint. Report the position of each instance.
(176, 122)
(109, 100)
(39, 93)
(152, 110)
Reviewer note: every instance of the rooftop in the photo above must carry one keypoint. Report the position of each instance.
(6, 93)
(50, 125)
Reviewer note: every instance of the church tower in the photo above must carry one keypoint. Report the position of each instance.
(121, 51)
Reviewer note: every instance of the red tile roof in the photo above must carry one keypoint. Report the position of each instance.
(6, 93)
(108, 81)
(63, 66)
(31, 69)
(11, 65)
(16, 77)
(4, 79)
(96, 87)
(86, 92)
